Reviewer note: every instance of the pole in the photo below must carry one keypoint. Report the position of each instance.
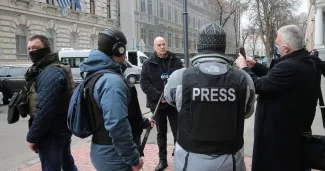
(185, 34)
(146, 135)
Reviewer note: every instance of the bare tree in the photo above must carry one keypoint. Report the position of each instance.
(252, 35)
(271, 15)
(254, 39)
(244, 37)
(224, 9)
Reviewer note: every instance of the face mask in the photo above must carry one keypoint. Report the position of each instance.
(277, 51)
(38, 54)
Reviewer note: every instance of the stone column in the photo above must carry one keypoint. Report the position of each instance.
(319, 37)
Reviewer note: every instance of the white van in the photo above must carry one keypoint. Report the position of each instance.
(136, 58)
(75, 57)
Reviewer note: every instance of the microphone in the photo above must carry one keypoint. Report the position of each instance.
(164, 76)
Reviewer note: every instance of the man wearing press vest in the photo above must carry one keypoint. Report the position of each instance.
(213, 99)
(155, 70)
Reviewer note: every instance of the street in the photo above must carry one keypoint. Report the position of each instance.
(15, 153)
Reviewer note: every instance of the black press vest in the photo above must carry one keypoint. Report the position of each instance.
(211, 120)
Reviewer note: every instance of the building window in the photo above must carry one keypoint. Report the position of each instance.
(144, 35)
(161, 30)
(74, 40)
(199, 23)
(109, 8)
(50, 36)
(51, 2)
(189, 20)
(21, 42)
(93, 42)
(189, 41)
(169, 13)
(176, 15)
(151, 34)
(194, 42)
(182, 18)
(183, 42)
(150, 7)
(143, 5)
(176, 38)
(92, 7)
(194, 26)
(161, 9)
(170, 31)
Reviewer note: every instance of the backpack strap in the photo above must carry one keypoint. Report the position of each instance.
(95, 111)
(93, 108)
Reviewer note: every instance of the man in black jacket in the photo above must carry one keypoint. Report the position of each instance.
(287, 101)
(162, 62)
(48, 102)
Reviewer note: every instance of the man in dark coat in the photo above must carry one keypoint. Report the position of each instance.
(286, 104)
(161, 63)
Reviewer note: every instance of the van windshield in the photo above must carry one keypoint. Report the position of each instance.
(74, 62)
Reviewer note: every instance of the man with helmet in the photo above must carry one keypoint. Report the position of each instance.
(114, 144)
(213, 99)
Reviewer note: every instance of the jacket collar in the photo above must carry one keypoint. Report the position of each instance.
(301, 53)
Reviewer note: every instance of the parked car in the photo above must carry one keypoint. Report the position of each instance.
(12, 80)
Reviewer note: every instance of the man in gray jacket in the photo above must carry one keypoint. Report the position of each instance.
(213, 99)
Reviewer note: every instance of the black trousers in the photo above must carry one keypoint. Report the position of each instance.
(161, 123)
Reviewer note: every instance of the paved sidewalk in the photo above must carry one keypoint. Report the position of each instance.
(82, 159)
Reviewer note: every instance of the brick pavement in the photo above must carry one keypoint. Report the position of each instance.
(82, 159)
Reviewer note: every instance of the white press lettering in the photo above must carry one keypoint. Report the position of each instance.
(223, 94)
(214, 94)
(205, 93)
(196, 92)
(231, 93)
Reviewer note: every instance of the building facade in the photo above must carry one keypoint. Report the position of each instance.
(74, 27)
(152, 18)
(315, 27)
(254, 46)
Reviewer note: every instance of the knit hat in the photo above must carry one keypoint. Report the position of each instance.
(211, 37)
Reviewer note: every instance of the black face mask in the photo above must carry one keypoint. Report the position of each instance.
(38, 54)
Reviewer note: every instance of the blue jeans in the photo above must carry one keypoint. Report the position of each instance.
(55, 153)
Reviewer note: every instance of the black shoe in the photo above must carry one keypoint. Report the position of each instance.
(161, 165)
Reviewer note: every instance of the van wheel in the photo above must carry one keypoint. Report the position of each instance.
(132, 79)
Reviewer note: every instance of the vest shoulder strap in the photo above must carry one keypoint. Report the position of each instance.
(65, 67)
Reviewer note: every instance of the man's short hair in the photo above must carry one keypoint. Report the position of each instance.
(42, 38)
(293, 36)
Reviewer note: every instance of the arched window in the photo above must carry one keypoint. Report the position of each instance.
(93, 41)
(50, 35)
(194, 41)
(21, 42)
(74, 40)
(161, 30)
(169, 37)
(182, 39)
(176, 38)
